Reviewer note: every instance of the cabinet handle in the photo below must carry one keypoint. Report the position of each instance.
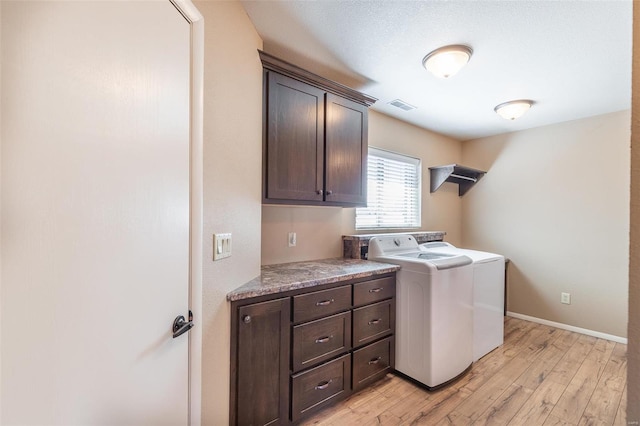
(323, 385)
(246, 319)
(329, 192)
(325, 302)
(319, 192)
(376, 290)
(324, 339)
(375, 321)
(375, 360)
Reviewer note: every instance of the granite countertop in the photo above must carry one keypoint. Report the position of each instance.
(291, 276)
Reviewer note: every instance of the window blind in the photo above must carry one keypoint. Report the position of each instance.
(393, 192)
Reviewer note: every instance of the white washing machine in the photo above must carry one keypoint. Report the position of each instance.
(488, 296)
(434, 310)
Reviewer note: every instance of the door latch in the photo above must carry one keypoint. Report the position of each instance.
(181, 326)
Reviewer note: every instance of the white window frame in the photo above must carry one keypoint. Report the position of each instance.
(375, 197)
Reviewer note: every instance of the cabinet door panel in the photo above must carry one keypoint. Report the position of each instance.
(319, 340)
(373, 290)
(372, 322)
(263, 363)
(372, 362)
(295, 140)
(320, 386)
(346, 151)
(319, 304)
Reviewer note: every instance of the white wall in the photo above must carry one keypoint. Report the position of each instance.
(555, 202)
(232, 177)
(319, 229)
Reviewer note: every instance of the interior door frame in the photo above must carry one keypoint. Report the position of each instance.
(196, 22)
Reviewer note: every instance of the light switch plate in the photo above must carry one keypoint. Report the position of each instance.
(221, 246)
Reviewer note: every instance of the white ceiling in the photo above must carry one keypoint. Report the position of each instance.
(572, 58)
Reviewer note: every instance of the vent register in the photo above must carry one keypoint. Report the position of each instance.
(402, 105)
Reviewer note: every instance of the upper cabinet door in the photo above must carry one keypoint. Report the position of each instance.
(294, 140)
(346, 151)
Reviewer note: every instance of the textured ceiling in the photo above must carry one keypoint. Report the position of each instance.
(573, 58)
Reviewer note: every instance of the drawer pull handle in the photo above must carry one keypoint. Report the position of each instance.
(375, 321)
(324, 339)
(376, 290)
(375, 360)
(324, 384)
(325, 302)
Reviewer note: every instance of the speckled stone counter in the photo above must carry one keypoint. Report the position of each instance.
(356, 246)
(291, 276)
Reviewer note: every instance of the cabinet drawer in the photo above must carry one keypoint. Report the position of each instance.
(320, 386)
(372, 362)
(372, 322)
(319, 340)
(321, 303)
(373, 291)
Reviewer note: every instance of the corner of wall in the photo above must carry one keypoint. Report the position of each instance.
(633, 349)
(232, 145)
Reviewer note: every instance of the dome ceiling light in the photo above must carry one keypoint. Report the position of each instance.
(448, 60)
(513, 109)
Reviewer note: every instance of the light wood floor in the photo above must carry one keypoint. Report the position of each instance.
(540, 376)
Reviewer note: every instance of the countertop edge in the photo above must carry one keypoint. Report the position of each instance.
(254, 288)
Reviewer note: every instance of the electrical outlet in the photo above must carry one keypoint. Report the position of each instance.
(565, 298)
(221, 246)
(292, 239)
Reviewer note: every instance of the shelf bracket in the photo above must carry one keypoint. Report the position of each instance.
(464, 176)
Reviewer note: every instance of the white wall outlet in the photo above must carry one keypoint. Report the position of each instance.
(293, 239)
(221, 246)
(565, 298)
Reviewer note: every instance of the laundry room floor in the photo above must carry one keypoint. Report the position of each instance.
(540, 376)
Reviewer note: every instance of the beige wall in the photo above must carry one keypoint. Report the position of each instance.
(232, 176)
(633, 350)
(555, 201)
(319, 229)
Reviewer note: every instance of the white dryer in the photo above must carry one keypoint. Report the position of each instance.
(488, 296)
(434, 309)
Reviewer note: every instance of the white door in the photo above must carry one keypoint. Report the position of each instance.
(95, 212)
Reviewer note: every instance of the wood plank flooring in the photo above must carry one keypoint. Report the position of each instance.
(540, 376)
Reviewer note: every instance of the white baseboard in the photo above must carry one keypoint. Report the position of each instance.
(597, 334)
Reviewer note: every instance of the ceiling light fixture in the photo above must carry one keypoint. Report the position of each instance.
(448, 60)
(513, 109)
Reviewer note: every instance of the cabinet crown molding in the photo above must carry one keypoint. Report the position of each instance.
(272, 63)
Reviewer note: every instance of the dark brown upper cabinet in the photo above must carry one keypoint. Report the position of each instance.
(315, 138)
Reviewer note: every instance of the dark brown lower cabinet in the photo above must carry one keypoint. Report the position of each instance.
(297, 352)
(263, 363)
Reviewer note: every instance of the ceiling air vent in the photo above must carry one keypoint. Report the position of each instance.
(402, 105)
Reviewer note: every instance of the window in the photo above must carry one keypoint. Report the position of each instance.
(393, 192)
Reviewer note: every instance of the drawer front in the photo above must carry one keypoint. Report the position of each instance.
(372, 362)
(320, 386)
(372, 322)
(321, 303)
(373, 291)
(319, 340)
